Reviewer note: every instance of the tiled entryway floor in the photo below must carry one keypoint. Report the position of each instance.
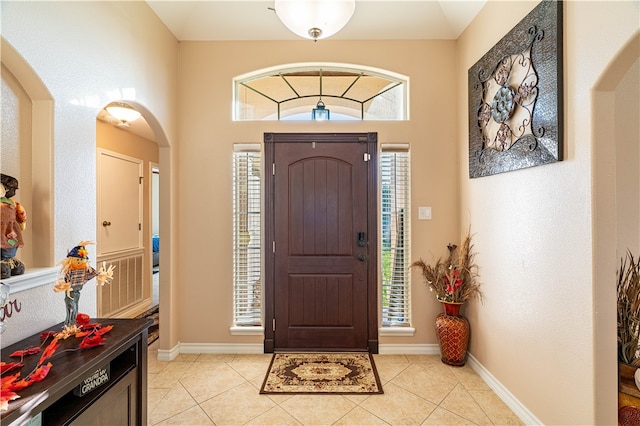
(208, 389)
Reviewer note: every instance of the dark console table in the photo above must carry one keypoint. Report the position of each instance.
(120, 400)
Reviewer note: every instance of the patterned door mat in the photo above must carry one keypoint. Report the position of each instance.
(334, 373)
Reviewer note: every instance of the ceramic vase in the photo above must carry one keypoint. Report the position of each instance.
(452, 330)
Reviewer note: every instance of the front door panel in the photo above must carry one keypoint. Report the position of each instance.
(321, 284)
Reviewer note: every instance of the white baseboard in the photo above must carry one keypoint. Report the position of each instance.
(503, 393)
(169, 354)
(408, 349)
(221, 348)
(209, 348)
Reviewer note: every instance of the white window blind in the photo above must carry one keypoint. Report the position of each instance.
(395, 215)
(247, 236)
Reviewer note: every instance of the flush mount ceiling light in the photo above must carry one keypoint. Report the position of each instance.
(123, 112)
(315, 19)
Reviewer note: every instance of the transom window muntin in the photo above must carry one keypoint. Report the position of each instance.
(349, 92)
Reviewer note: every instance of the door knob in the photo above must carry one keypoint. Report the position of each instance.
(362, 257)
(105, 223)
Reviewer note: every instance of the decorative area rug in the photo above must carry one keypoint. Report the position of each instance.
(334, 373)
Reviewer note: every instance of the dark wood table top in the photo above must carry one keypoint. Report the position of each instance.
(68, 365)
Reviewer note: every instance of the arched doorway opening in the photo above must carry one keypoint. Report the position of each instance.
(616, 194)
(141, 141)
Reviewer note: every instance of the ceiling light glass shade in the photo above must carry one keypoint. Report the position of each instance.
(123, 112)
(315, 19)
(320, 113)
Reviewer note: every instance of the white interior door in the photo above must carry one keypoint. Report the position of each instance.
(119, 202)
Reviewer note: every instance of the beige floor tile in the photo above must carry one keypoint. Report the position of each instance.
(258, 379)
(469, 378)
(317, 409)
(398, 406)
(495, 408)
(174, 402)
(215, 358)
(205, 381)
(186, 358)
(253, 358)
(390, 359)
(274, 417)
(424, 359)
(432, 362)
(361, 417)
(428, 382)
(442, 417)
(223, 389)
(192, 417)
(460, 402)
(237, 406)
(154, 397)
(357, 399)
(278, 399)
(169, 375)
(251, 369)
(155, 366)
(389, 366)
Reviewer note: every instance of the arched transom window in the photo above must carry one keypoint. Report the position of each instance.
(347, 92)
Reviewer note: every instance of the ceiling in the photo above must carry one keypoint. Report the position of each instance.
(255, 20)
(372, 20)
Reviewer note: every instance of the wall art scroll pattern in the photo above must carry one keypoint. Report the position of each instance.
(515, 97)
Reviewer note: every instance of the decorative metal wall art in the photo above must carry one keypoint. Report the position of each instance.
(515, 97)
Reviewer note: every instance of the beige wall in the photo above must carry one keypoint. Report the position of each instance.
(207, 70)
(535, 331)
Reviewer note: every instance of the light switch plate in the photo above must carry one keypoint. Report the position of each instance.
(424, 213)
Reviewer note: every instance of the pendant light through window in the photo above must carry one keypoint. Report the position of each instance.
(320, 113)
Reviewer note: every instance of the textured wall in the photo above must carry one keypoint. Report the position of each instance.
(86, 54)
(535, 331)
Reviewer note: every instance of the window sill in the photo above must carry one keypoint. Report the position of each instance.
(32, 278)
(396, 331)
(247, 331)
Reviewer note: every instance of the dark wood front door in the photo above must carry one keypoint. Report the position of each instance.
(320, 284)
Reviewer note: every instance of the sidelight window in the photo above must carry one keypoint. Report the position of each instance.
(395, 226)
(247, 236)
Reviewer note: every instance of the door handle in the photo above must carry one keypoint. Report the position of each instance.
(105, 223)
(362, 239)
(362, 257)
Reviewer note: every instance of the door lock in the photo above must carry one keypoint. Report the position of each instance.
(362, 257)
(362, 239)
(106, 223)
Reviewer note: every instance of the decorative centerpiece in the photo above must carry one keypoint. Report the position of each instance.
(52, 345)
(453, 280)
(75, 272)
(628, 291)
